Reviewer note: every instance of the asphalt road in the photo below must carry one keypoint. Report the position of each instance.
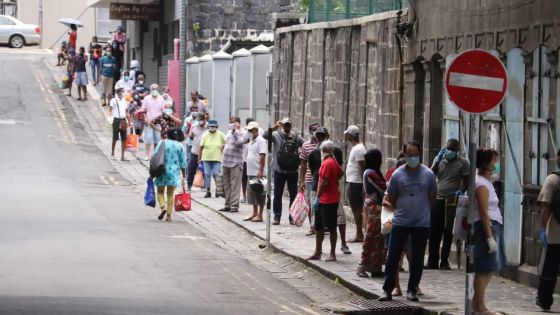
(75, 239)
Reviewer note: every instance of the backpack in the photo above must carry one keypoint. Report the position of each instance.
(288, 155)
(555, 204)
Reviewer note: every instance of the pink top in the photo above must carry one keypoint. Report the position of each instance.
(153, 106)
(120, 38)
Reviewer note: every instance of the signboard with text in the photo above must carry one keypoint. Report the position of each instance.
(131, 11)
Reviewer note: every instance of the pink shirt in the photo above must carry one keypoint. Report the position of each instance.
(153, 106)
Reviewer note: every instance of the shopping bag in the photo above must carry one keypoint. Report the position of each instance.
(460, 225)
(150, 195)
(64, 82)
(220, 192)
(157, 161)
(183, 201)
(199, 177)
(131, 143)
(386, 220)
(299, 209)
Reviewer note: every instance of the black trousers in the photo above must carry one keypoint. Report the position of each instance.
(441, 220)
(191, 169)
(548, 275)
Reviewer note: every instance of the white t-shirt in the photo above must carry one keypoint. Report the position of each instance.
(493, 201)
(254, 150)
(248, 135)
(120, 110)
(354, 172)
(126, 85)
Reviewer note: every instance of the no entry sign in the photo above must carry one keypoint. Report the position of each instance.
(476, 81)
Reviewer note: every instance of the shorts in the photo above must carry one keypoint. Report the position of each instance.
(255, 198)
(355, 195)
(484, 262)
(244, 177)
(107, 85)
(325, 217)
(81, 78)
(117, 131)
(340, 215)
(150, 135)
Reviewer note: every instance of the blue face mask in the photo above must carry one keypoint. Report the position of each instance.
(168, 111)
(451, 155)
(412, 161)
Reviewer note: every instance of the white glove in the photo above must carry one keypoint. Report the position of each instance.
(492, 245)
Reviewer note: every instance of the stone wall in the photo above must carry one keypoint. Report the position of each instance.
(224, 20)
(341, 73)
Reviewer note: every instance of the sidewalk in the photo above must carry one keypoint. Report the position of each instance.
(444, 290)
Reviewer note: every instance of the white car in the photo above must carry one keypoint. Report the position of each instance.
(18, 34)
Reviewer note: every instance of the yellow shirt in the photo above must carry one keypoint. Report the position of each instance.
(212, 143)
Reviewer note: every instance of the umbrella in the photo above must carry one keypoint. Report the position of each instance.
(70, 21)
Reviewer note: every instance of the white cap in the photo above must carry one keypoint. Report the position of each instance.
(352, 130)
(252, 125)
(134, 64)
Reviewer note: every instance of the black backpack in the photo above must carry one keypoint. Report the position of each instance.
(288, 155)
(555, 204)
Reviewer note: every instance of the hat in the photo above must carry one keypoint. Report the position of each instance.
(322, 130)
(252, 125)
(352, 130)
(134, 64)
(286, 120)
(212, 123)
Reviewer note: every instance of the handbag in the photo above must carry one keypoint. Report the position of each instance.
(183, 201)
(150, 195)
(460, 225)
(131, 143)
(157, 161)
(123, 123)
(299, 209)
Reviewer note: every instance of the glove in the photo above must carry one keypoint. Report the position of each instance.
(458, 193)
(316, 204)
(441, 155)
(543, 237)
(492, 245)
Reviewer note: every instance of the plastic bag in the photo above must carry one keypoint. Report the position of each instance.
(299, 209)
(199, 177)
(131, 143)
(150, 195)
(183, 201)
(64, 82)
(386, 220)
(460, 225)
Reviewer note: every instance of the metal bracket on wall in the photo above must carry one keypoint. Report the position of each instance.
(492, 117)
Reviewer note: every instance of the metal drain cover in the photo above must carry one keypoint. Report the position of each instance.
(364, 306)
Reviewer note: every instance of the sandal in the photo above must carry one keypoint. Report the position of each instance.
(162, 214)
(397, 292)
(330, 258)
(355, 240)
(250, 218)
(314, 257)
(257, 219)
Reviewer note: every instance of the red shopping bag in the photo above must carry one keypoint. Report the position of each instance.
(131, 143)
(183, 201)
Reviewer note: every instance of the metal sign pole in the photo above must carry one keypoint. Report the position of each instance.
(473, 146)
(269, 158)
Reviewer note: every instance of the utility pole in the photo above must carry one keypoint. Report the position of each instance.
(41, 22)
(183, 29)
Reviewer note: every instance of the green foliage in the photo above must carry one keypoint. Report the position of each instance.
(304, 5)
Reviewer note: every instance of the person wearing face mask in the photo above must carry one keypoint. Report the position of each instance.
(305, 177)
(452, 173)
(81, 74)
(411, 193)
(166, 121)
(106, 75)
(140, 87)
(135, 70)
(119, 111)
(355, 168)
(125, 83)
(232, 164)
(198, 128)
(488, 237)
(187, 125)
(153, 106)
(195, 102)
(549, 201)
(211, 150)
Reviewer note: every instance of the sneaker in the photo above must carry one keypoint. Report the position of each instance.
(276, 222)
(541, 305)
(412, 297)
(386, 297)
(444, 266)
(345, 250)
(208, 195)
(430, 267)
(233, 210)
(225, 210)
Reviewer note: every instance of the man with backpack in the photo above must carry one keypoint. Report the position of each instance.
(549, 201)
(286, 164)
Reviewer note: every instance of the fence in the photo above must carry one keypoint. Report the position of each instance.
(330, 10)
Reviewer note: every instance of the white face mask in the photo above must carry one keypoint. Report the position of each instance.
(168, 111)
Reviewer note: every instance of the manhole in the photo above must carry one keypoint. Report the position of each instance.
(366, 307)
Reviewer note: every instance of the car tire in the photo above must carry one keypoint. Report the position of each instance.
(17, 41)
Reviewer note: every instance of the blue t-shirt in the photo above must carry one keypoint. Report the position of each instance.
(411, 190)
(108, 65)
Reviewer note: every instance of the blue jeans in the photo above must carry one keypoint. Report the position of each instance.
(280, 180)
(397, 240)
(94, 64)
(211, 168)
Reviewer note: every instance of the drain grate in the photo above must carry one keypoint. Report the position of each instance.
(377, 307)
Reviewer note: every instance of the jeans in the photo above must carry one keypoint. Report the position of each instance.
(191, 169)
(94, 64)
(548, 275)
(211, 168)
(442, 227)
(280, 180)
(397, 241)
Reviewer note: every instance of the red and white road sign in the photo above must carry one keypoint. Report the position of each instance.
(476, 81)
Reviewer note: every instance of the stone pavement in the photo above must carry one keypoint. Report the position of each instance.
(444, 290)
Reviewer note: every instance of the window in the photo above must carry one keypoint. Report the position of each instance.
(164, 39)
(155, 43)
(6, 21)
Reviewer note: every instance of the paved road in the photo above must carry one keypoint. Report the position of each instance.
(74, 238)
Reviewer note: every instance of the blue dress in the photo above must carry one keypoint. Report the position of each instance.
(175, 160)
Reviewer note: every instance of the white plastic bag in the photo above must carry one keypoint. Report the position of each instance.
(461, 218)
(386, 220)
(299, 209)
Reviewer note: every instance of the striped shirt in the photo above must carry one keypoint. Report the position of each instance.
(304, 151)
(233, 149)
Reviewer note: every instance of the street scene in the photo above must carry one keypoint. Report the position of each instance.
(279, 157)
